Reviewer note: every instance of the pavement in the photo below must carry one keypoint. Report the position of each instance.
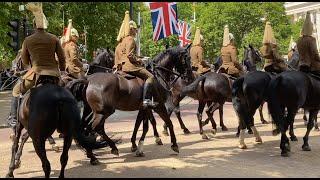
(216, 157)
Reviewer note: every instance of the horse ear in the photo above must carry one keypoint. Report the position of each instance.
(250, 46)
(188, 46)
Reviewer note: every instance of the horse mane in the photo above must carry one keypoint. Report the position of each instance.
(170, 51)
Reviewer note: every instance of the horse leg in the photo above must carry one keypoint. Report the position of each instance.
(100, 130)
(223, 127)
(67, 140)
(208, 111)
(155, 131)
(285, 122)
(291, 132)
(312, 117)
(14, 148)
(53, 144)
(165, 130)
(135, 130)
(199, 116)
(305, 117)
(39, 146)
(92, 157)
(24, 139)
(263, 121)
(316, 126)
(162, 111)
(139, 151)
(211, 108)
(183, 127)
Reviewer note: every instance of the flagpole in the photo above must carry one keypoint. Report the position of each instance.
(194, 12)
(139, 31)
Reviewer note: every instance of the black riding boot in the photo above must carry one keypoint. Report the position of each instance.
(12, 119)
(147, 96)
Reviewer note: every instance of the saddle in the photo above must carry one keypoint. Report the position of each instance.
(126, 75)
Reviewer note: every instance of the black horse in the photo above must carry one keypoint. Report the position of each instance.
(43, 110)
(248, 94)
(293, 90)
(103, 62)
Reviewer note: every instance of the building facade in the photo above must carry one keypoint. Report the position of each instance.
(298, 10)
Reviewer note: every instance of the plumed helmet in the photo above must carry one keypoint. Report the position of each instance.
(307, 28)
(268, 36)
(40, 19)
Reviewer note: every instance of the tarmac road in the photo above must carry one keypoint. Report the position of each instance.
(217, 157)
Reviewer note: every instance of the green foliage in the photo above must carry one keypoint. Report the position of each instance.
(103, 20)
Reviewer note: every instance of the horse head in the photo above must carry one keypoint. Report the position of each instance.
(251, 57)
(177, 58)
(104, 59)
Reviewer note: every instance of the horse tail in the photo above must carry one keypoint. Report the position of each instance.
(274, 107)
(193, 86)
(239, 101)
(78, 88)
(68, 111)
(237, 86)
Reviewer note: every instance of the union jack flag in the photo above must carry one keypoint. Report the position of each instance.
(184, 33)
(164, 19)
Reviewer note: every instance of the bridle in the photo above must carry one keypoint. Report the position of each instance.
(169, 85)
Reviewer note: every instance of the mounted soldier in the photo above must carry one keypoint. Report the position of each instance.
(230, 63)
(196, 53)
(273, 61)
(126, 59)
(309, 56)
(38, 50)
(74, 66)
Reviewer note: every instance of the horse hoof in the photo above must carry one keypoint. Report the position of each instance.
(243, 146)
(139, 154)
(175, 148)
(213, 131)
(94, 162)
(224, 128)
(165, 133)
(238, 134)
(17, 164)
(55, 148)
(134, 148)
(285, 154)
(159, 142)
(259, 140)
(264, 122)
(60, 135)
(115, 152)
(316, 129)
(204, 136)
(11, 137)
(306, 148)
(275, 132)
(9, 176)
(250, 132)
(293, 138)
(186, 131)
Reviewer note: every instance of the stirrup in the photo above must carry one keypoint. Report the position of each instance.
(149, 103)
